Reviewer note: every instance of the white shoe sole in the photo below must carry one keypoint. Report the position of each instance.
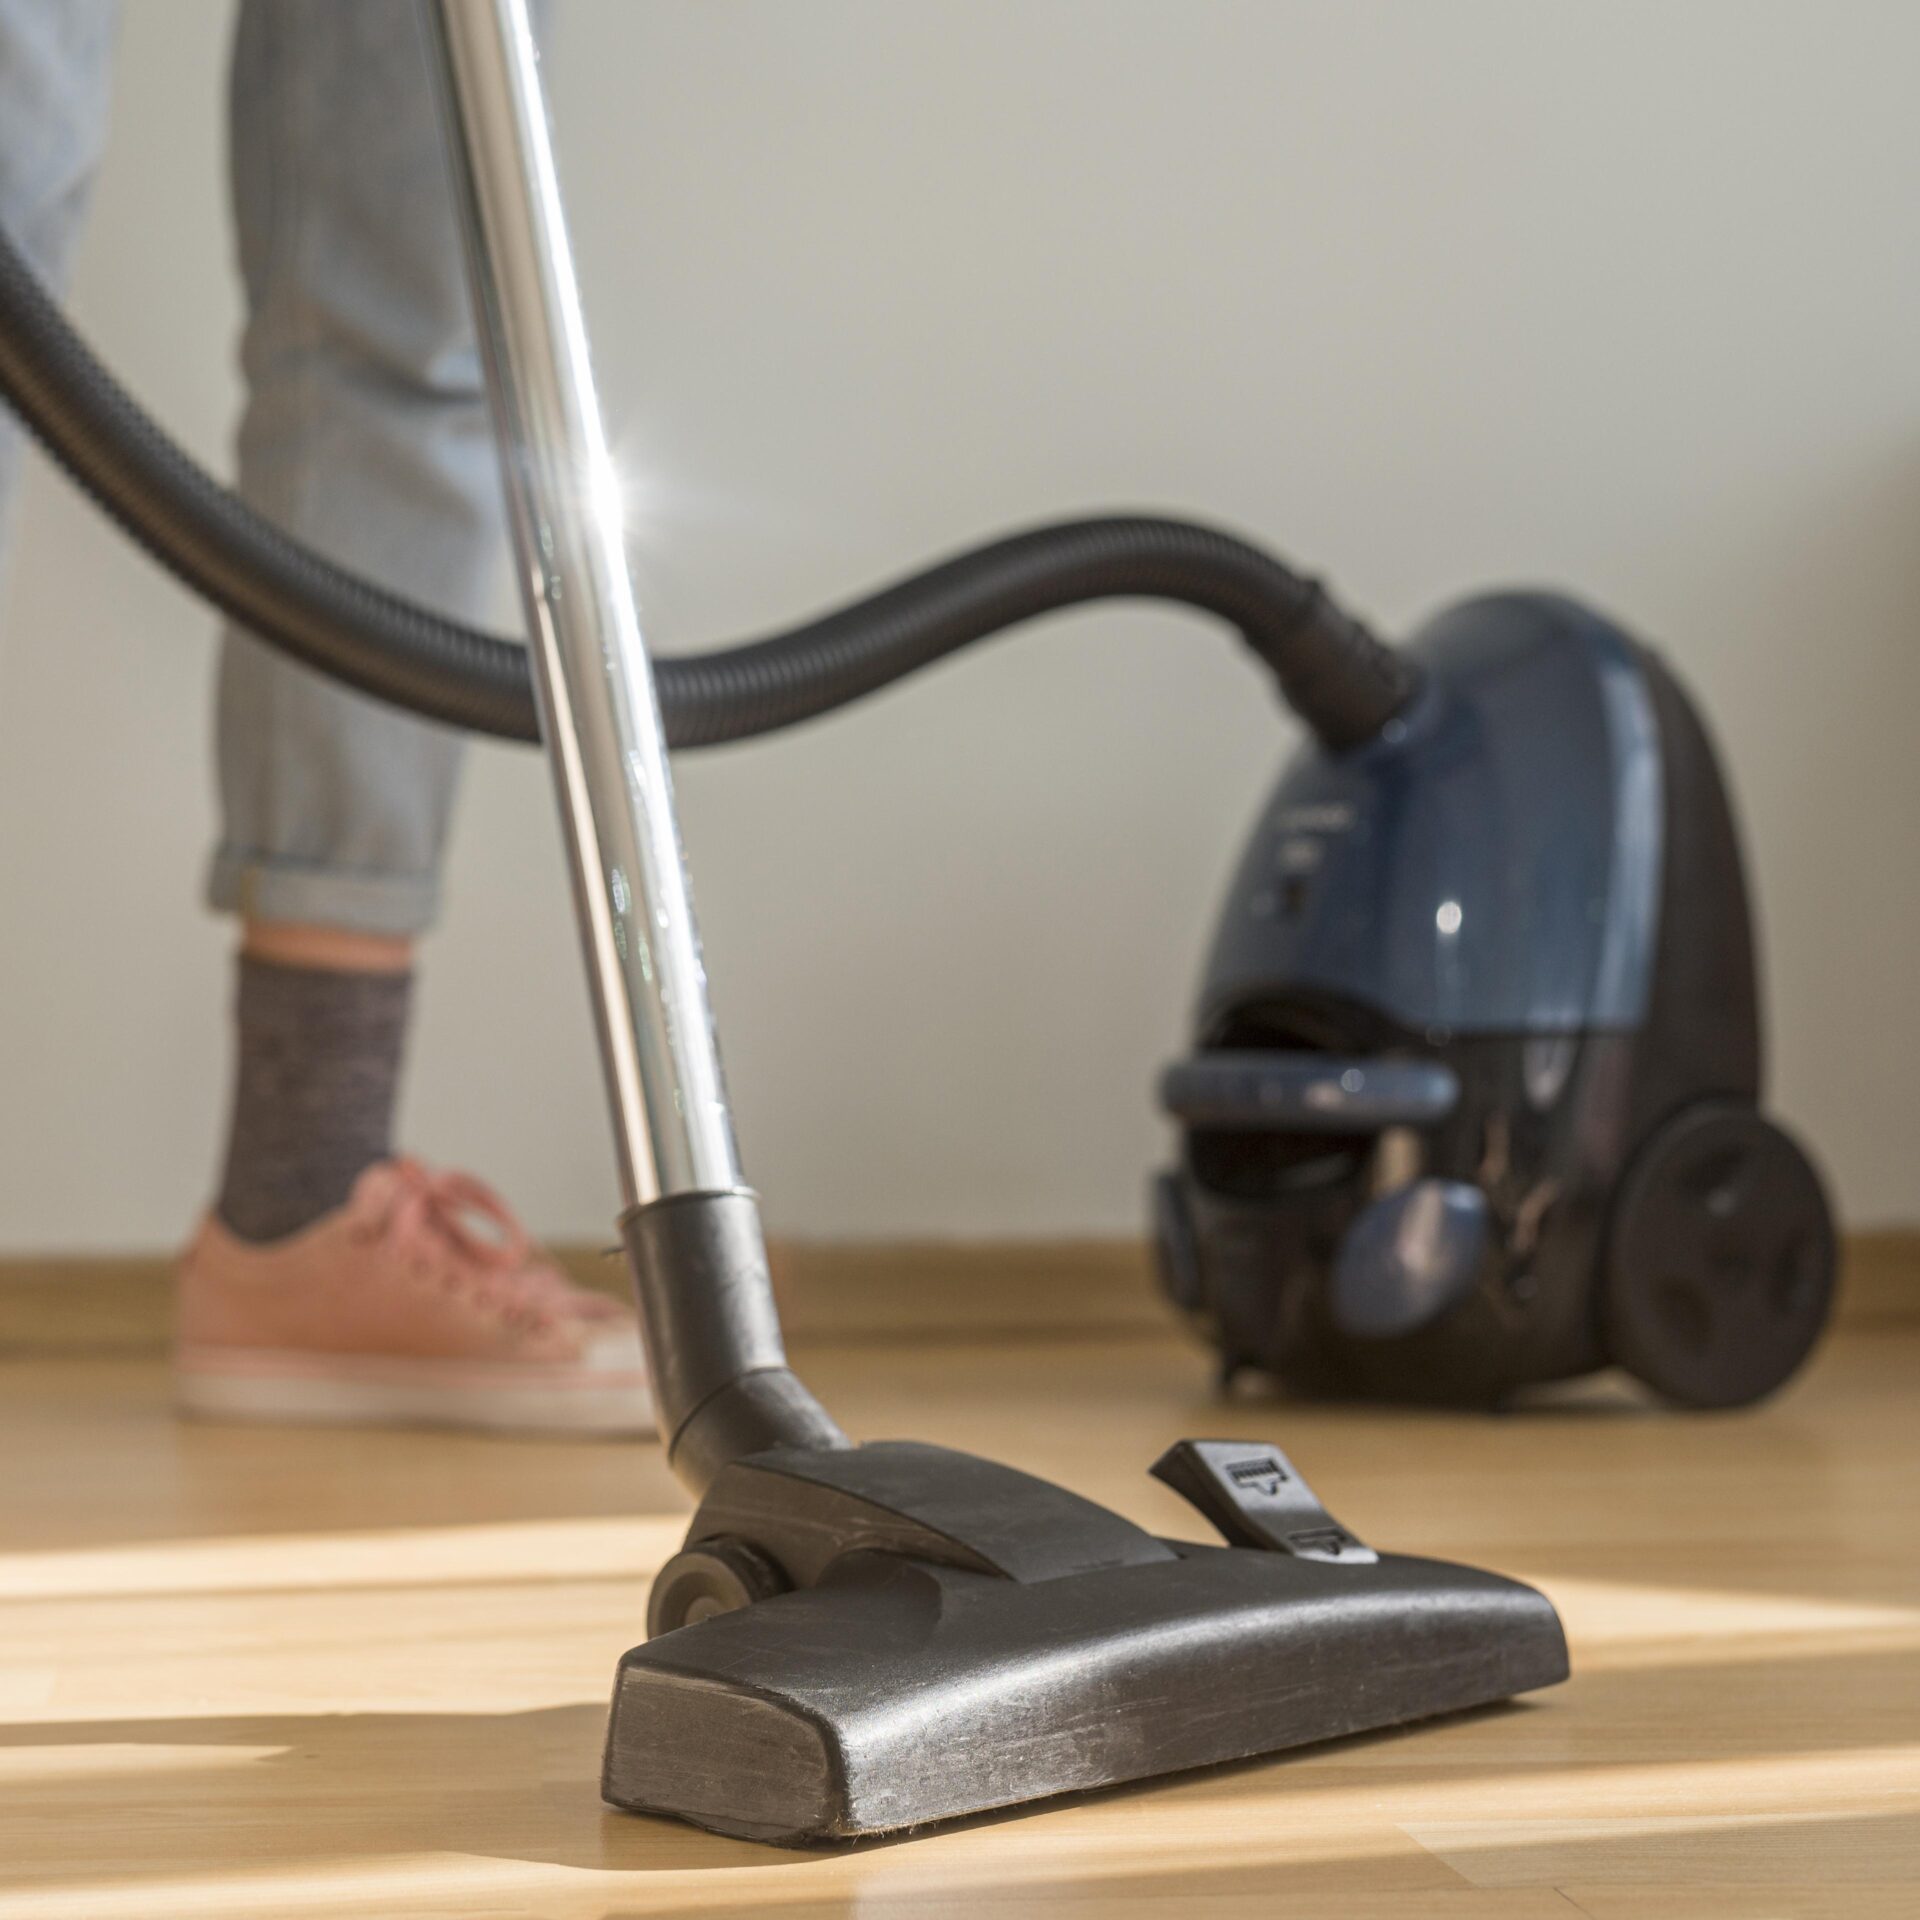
(366, 1390)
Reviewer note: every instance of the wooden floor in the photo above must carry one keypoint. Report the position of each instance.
(297, 1674)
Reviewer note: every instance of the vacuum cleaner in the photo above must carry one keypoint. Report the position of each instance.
(1411, 1145)
(1473, 1099)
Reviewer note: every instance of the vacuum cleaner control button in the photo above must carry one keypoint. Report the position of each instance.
(1254, 1496)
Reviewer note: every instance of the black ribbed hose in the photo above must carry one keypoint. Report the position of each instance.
(1341, 681)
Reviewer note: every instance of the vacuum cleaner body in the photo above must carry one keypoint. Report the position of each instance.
(1474, 1100)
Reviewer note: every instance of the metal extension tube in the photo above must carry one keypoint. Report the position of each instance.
(692, 1227)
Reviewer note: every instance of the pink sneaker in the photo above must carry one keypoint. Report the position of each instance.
(418, 1303)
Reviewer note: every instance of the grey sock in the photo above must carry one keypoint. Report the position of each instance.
(319, 1065)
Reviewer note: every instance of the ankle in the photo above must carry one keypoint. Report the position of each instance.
(317, 1069)
(290, 943)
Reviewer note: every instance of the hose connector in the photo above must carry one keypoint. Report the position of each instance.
(1343, 681)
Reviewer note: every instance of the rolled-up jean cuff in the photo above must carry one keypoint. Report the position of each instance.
(268, 887)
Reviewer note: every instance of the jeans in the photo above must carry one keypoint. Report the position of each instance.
(366, 431)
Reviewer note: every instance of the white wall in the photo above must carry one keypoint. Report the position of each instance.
(1626, 297)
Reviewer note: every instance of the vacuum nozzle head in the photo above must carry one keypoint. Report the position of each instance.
(962, 1637)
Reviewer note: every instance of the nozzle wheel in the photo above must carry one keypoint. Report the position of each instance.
(717, 1576)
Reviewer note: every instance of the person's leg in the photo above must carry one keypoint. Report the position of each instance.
(332, 1279)
(366, 434)
(55, 76)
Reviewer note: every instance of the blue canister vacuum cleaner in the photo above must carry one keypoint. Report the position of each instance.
(1473, 1101)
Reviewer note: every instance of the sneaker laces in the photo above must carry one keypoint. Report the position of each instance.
(457, 1229)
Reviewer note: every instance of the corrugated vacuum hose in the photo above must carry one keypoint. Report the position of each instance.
(1341, 680)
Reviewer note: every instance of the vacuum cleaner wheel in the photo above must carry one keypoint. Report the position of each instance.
(1720, 1258)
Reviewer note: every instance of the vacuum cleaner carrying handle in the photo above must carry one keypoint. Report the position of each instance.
(693, 1230)
(1307, 1092)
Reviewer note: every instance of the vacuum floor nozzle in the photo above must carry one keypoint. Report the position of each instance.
(960, 1637)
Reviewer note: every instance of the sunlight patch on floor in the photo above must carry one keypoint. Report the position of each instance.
(1633, 1623)
(414, 1556)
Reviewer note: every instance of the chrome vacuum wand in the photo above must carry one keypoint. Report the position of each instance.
(691, 1225)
